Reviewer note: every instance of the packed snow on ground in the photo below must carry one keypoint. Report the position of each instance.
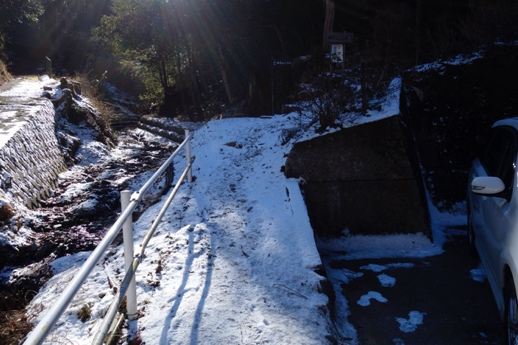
(234, 259)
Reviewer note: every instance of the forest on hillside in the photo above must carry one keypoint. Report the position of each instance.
(209, 56)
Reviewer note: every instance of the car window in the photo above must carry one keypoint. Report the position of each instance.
(492, 153)
(507, 169)
(499, 154)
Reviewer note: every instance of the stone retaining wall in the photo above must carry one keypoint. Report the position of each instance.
(30, 161)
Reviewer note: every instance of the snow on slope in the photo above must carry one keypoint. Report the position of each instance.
(233, 260)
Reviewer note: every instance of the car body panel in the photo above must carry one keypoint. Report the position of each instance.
(493, 213)
(487, 246)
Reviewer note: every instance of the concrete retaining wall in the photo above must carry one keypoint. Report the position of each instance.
(361, 180)
(30, 160)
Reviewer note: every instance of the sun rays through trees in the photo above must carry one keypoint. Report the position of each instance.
(202, 58)
(195, 56)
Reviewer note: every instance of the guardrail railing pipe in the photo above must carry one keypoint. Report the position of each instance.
(112, 310)
(127, 236)
(188, 155)
(43, 328)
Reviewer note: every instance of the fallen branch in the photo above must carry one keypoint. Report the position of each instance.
(290, 289)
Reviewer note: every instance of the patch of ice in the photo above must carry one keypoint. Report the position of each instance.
(415, 318)
(478, 274)
(382, 246)
(365, 300)
(386, 280)
(343, 275)
(374, 267)
(380, 268)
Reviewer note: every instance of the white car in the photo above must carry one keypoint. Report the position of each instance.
(492, 206)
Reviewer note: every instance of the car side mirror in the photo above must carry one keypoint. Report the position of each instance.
(487, 185)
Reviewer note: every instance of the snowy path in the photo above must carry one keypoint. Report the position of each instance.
(232, 262)
(17, 98)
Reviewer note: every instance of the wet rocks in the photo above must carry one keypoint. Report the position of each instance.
(170, 130)
(69, 146)
(73, 86)
(82, 208)
(32, 276)
(85, 201)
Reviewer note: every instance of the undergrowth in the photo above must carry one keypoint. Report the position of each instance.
(90, 90)
(14, 325)
(4, 74)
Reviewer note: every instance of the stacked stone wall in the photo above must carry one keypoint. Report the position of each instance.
(30, 161)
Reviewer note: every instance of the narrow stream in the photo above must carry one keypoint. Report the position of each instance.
(68, 224)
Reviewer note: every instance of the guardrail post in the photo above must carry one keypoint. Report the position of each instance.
(48, 66)
(127, 235)
(188, 155)
(129, 202)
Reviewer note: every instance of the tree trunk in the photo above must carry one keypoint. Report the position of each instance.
(281, 40)
(193, 85)
(224, 75)
(365, 105)
(162, 69)
(418, 16)
(330, 16)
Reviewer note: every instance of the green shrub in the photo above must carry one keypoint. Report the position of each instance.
(4, 74)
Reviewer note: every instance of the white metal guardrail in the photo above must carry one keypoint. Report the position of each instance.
(128, 287)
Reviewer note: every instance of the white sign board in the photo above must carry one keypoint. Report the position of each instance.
(337, 53)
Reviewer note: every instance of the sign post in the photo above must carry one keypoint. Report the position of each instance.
(276, 63)
(337, 41)
(338, 37)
